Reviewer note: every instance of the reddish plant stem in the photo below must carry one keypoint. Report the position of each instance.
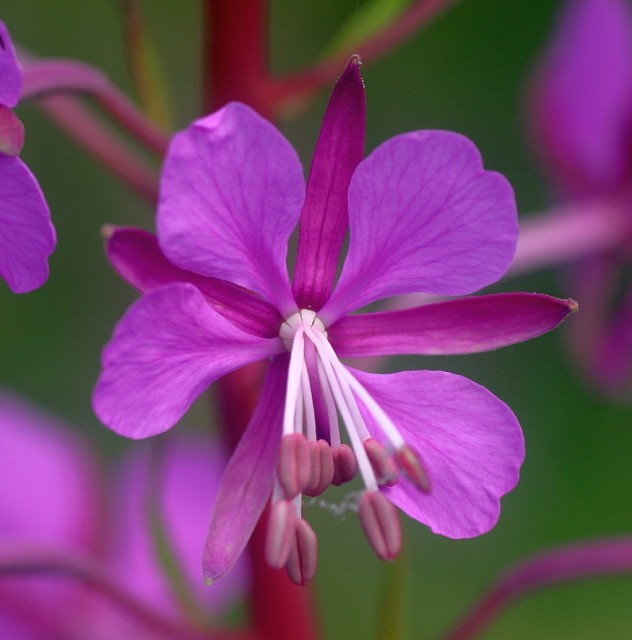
(280, 610)
(102, 143)
(26, 560)
(237, 53)
(303, 85)
(55, 76)
(580, 561)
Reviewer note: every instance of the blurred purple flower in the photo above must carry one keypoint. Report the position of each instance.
(27, 236)
(581, 118)
(52, 498)
(423, 214)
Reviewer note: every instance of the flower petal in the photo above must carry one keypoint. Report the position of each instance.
(10, 72)
(424, 216)
(248, 479)
(167, 349)
(27, 236)
(137, 257)
(325, 219)
(465, 325)
(49, 483)
(232, 191)
(582, 96)
(470, 442)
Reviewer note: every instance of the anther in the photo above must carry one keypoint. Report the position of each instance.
(294, 470)
(411, 463)
(322, 468)
(383, 464)
(11, 132)
(345, 464)
(281, 526)
(303, 558)
(381, 525)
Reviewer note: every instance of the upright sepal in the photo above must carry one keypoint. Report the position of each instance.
(325, 218)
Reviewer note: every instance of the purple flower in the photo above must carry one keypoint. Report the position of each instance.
(27, 236)
(423, 215)
(53, 499)
(581, 113)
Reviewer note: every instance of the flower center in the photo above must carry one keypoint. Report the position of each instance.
(313, 456)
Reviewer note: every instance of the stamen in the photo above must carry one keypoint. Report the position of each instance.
(293, 381)
(383, 464)
(279, 534)
(345, 464)
(303, 558)
(330, 403)
(365, 466)
(322, 468)
(385, 423)
(411, 463)
(294, 470)
(308, 405)
(381, 525)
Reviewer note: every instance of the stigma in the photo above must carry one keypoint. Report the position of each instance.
(315, 453)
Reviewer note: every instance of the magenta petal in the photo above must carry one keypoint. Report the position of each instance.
(167, 349)
(137, 257)
(248, 479)
(10, 73)
(424, 216)
(49, 483)
(581, 101)
(465, 325)
(27, 236)
(325, 219)
(232, 191)
(470, 442)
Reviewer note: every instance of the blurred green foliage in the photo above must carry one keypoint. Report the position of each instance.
(466, 72)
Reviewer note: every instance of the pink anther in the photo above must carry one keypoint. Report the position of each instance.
(411, 463)
(381, 526)
(383, 464)
(303, 558)
(294, 470)
(345, 464)
(280, 533)
(322, 467)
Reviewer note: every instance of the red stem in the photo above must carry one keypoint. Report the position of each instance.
(102, 143)
(304, 84)
(236, 53)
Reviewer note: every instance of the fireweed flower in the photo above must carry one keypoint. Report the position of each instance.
(422, 214)
(581, 119)
(53, 498)
(27, 236)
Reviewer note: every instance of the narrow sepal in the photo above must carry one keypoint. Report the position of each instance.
(247, 482)
(325, 218)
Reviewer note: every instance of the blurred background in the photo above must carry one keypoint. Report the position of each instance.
(465, 72)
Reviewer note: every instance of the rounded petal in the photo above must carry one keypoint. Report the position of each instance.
(10, 72)
(581, 97)
(167, 349)
(180, 480)
(231, 194)
(247, 482)
(470, 442)
(424, 216)
(27, 235)
(464, 325)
